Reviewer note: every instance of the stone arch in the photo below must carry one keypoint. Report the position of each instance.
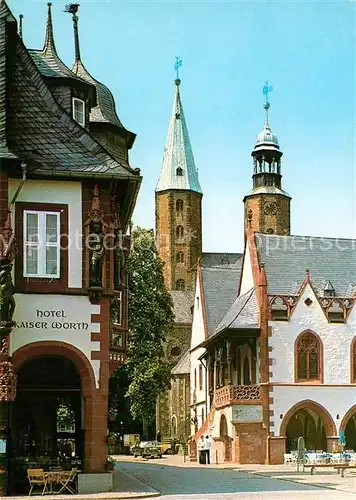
(347, 416)
(223, 429)
(49, 347)
(306, 404)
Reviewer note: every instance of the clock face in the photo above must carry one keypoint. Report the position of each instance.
(270, 208)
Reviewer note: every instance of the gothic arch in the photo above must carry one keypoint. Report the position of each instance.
(320, 378)
(306, 404)
(347, 417)
(353, 361)
(48, 347)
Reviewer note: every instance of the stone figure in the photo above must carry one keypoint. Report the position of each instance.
(7, 301)
(97, 251)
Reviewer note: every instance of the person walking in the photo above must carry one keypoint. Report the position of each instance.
(207, 448)
(201, 450)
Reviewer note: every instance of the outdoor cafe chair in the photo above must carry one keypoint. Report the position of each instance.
(37, 477)
(67, 480)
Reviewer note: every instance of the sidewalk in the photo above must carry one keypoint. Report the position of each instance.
(324, 478)
(125, 487)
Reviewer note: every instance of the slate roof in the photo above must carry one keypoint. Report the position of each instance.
(183, 365)
(220, 291)
(182, 304)
(44, 135)
(105, 111)
(286, 259)
(268, 190)
(47, 60)
(243, 314)
(178, 153)
(211, 259)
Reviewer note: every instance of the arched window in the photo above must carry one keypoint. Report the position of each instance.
(180, 257)
(308, 357)
(179, 172)
(180, 285)
(180, 232)
(179, 205)
(353, 361)
(200, 378)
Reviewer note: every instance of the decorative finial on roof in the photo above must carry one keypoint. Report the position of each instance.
(266, 90)
(307, 276)
(262, 278)
(20, 26)
(49, 45)
(72, 8)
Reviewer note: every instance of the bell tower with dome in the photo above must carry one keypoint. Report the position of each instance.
(267, 206)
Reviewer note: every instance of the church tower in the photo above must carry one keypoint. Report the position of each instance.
(267, 206)
(178, 205)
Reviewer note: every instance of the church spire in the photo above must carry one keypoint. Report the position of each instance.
(49, 45)
(178, 167)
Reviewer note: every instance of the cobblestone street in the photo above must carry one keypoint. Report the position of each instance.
(185, 482)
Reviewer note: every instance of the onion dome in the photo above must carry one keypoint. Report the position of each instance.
(266, 139)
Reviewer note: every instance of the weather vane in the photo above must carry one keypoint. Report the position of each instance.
(177, 65)
(266, 90)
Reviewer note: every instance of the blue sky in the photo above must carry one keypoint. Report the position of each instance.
(304, 48)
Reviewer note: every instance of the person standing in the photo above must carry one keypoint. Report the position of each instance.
(207, 448)
(201, 450)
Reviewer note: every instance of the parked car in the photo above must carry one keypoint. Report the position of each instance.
(150, 449)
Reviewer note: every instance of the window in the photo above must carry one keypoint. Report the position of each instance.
(179, 172)
(79, 111)
(176, 351)
(116, 309)
(200, 377)
(195, 378)
(180, 257)
(202, 416)
(41, 244)
(180, 285)
(308, 352)
(353, 361)
(179, 205)
(179, 232)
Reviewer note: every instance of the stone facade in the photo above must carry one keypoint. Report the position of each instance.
(268, 213)
(177, 209)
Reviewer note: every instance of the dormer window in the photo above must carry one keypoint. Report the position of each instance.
(179, 172)
(79, 111)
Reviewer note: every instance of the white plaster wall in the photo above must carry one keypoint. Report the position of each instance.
(215, 428)
(336, 400)
(247, 277)
(65, 193)
(34, 325)
(198, 332)
(336, 339)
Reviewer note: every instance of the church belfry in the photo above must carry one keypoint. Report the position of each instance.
(267, 206)
(178, 204)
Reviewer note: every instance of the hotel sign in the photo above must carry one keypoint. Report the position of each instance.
(52, 319)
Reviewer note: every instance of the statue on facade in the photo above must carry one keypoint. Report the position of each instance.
(97, 251)
(7, 301)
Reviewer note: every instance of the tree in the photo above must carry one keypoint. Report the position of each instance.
(150, 320)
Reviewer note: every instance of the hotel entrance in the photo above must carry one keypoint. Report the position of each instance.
(46, 418)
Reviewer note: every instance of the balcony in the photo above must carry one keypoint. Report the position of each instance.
(237, 394)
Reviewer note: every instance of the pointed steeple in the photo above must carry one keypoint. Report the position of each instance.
(49, 45)
(178, 168)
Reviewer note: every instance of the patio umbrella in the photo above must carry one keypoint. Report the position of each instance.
(342, 438)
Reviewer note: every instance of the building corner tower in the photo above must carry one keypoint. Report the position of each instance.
(267, 206)
(178, 205)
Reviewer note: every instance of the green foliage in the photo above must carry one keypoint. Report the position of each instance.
(150, 320)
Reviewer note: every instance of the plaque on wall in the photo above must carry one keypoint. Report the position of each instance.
(246, 413)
